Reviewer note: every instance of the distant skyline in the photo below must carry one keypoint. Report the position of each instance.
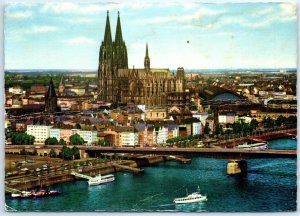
(191, 35)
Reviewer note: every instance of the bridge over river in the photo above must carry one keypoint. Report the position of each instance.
(231, 154)
(236, 157)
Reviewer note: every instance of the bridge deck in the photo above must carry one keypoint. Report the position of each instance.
(200, 152)
(226, 153)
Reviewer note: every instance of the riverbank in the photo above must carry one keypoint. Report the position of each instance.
(25, 182)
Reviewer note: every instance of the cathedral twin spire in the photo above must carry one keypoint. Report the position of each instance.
(119, 41)
(107, 34)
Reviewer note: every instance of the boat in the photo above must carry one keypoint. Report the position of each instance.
(256, 146)
(45, 193)
(100, 179)
(22, 194)
(35, 194)
(191, 198)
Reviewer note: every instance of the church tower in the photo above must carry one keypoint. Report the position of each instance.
(147, 59)
(61, 86)
(106, 77)
(120, 50)
(51, 99)
(112, 56)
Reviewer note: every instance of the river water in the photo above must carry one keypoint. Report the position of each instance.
(269, 186)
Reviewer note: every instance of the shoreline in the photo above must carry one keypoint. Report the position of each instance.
(102, 168)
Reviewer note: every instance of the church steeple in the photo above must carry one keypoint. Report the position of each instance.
(51, 98)
(107, 34)
(118, 37)
(147, 59)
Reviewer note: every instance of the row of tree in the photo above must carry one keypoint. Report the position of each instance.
(67, 153)
(183, 139)
(22, 139)
(75, 139)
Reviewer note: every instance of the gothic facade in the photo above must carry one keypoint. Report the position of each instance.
(118, 83)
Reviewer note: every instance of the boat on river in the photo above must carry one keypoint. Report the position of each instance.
(45, 193)
(101, 179)
(191, 198)
(255, 146)
(35, 194)
(22, 194)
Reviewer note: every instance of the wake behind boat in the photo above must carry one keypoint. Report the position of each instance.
(191, 198)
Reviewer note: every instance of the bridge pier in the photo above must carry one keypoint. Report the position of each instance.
(236, 167)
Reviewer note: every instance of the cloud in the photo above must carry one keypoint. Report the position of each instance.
(68, 7)
(44, 29)
(196, 16)
(78, 20)
(18, 15)
(288, 11)
(80, 40)
(263, 12)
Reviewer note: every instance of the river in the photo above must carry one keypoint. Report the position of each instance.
(269, 186)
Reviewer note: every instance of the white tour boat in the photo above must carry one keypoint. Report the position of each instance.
(256, 146)
(101, 179)
(22, 194)
(194, 197)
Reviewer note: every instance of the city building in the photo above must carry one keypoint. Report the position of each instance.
(156, 114)
(128, 136)
(40, 131)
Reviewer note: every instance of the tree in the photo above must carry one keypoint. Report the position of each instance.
(269, 122)
(253, 124)
(103, 143)
(51, 141)
(76, 139)
(67, 153)
(22, 139)
(219, 129)
(206, 128)
(76, 153)
(62, 142)
(280, 120)
(52, 153)
(70, 153)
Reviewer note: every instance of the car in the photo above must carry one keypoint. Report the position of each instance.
(24, 169)
(30, 161)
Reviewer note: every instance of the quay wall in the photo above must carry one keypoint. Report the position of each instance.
(106, 168)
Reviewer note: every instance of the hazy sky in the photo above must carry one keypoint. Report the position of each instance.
(192, 35)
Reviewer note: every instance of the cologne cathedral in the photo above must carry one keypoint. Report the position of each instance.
(120, 84)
